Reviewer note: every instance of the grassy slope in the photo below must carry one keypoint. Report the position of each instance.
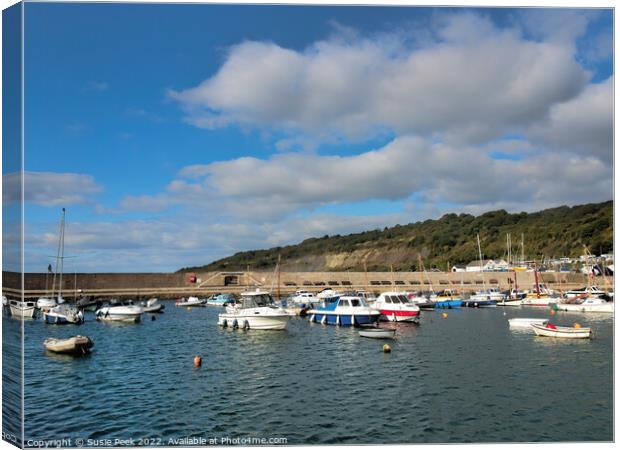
(449, 240)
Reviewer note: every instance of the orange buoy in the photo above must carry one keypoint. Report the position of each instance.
(197, 361)
(444, 315)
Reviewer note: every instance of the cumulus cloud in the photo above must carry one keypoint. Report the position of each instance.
(270, 189)
(168, 244)
(49, 188)
(472, 81)
(583, 124)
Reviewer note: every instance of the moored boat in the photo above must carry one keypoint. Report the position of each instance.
(255, 311)
(119, 313)
(220, 299)
(191, 301)
(396, 307)
(550, 330)
(345, 311)
(152, 305)
(526, 322)
(588, 304)
(76, 345)
(63, 314)
(377, 332)
(304, 298)
(44, 303)
(22, 310)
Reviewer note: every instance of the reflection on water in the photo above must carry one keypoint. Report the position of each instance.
(466, 377)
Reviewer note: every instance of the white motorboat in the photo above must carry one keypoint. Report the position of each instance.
(152, 305)
(119, 313)
(538, 300)
(526, 322)
(22, 310)
(588, 304)
(396, 307)
(63, 314)
(255, 311)
(191, 301)
(76, 345)
(304, 298)
(377, 333)
(588, 291)
(46, 303)
(550, 330)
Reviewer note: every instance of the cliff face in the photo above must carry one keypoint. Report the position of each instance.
(441, 243)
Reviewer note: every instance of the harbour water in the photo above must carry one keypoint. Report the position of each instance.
(462, 378)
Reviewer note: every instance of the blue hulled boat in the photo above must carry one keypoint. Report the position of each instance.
(221, 299)
(345, 311)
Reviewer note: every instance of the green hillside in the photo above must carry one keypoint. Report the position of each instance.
(447, 241)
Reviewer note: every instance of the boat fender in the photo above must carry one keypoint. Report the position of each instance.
(324, 319)
(224, 323)
(312, 318)
(197, 361)
(338, 320)
(246, 325)
(235, 324)
(352, 320)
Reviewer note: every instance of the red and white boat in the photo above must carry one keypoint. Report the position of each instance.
(396, 307)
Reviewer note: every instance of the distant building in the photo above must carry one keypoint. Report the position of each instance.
(488, 265)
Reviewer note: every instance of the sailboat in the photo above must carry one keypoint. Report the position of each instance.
(61, 313)
(487, 297)
(46, 302)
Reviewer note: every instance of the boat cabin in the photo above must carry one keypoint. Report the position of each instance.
(256, 299)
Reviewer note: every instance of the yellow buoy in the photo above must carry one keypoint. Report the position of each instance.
(386, 348)
(444, 315)
(197, 361)
(577, 325)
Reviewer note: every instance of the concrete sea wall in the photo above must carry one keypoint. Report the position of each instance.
(179, 284)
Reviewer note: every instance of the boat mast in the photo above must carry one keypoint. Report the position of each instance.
(480, 255)
(279, 275)
(62, 252)
(522, 251)
(58, 257)
(536, 281)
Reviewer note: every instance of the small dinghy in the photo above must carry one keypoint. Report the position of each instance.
(526, 322)
(76, 345)
(377, 333)
(551, 330)
(152, 306)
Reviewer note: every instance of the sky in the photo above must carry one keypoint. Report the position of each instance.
(175, 135)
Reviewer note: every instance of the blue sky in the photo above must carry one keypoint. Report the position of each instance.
(178, 134)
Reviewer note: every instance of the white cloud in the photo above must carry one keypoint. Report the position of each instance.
(583, 124)
(473, 81)
(50, 188)
(271, 189)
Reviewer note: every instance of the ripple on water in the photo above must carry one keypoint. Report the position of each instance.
(445, 381)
